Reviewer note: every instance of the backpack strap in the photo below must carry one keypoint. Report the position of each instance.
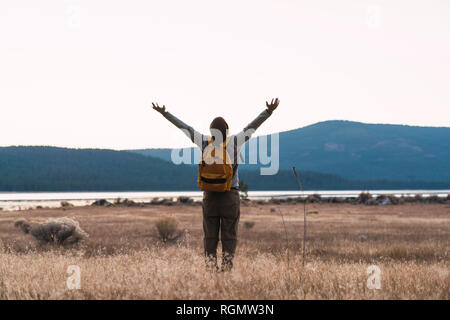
(235, 156)
(202, 149)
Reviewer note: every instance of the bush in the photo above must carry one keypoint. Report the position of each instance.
(131, 203)
(363, 197)
(23, 225)
(435, 199)
(275, 201)
(66, 204)
(168, 229)
(314, 198)
(185, 200)
(393, 198)
(102, 203)
(60, 231)
(243, 188)
(249, 224)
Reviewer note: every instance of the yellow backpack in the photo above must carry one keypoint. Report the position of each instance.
(215, 173)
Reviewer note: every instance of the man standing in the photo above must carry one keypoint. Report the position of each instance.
(221, 209)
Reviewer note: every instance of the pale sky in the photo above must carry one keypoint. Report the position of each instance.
(82, 73)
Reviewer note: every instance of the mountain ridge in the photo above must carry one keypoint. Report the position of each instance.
(357, 150)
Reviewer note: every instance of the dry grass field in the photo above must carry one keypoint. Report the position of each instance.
(123, 258)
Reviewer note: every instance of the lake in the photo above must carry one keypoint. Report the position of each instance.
(28, 200)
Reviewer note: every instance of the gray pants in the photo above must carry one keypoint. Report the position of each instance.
(221, 213)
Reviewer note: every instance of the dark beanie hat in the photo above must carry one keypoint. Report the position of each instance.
(220, 124)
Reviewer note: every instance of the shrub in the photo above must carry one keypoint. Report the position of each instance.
(363, 197)
(393, 199)
(23, 225)
(383, 200)
(60, 231)
(275, 201)
(66, 204)
(102, 203)
(185, 200)
(130, 203)
(168, 229)
(336, 200)
(243, 188)
(314, 198)
(435, 199)
(249, 224)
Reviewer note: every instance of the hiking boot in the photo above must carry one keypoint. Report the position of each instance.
(211, 263)
(227, 262)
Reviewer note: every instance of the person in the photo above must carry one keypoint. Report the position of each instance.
(221, 210)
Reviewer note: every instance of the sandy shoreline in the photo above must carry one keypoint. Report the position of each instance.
(10, 201)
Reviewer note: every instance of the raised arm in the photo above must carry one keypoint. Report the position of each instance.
(195, 136)
(248, 131)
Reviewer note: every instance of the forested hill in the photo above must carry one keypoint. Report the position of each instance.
(62, 169)
(362, 151)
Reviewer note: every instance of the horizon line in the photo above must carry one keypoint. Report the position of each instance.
(289, 130)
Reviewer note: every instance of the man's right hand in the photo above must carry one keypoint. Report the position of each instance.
(161, 110)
